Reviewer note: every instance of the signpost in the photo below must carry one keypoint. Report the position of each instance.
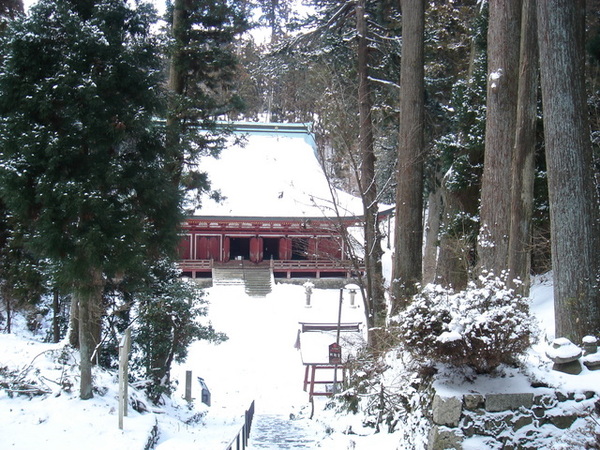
(335, 353)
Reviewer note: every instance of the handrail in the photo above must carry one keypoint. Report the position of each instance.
(241, 439)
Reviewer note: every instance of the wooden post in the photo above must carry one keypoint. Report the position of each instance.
(188, 385)
(124, 348)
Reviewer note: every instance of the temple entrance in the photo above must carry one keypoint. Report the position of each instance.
(239, 248)
(271, 248)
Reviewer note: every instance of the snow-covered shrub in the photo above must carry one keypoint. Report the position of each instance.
(481, 327)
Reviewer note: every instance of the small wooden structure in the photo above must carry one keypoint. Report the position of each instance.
(311, 379)
(326, 368)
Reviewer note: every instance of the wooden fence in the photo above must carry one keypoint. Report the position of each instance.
(240, 442)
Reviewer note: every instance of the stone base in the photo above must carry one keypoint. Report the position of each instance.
(572, 368)
(592, 364)
(442, 438)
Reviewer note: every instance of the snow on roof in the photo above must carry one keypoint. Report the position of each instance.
(273, 174)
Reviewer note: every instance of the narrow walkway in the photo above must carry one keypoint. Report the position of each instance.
(273, 431)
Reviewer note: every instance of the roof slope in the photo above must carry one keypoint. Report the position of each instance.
(271, 175)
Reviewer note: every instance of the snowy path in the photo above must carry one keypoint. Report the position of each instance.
(260, 363)
(275, 431)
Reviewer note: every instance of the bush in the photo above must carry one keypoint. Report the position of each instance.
(168, 321)
(481, 327)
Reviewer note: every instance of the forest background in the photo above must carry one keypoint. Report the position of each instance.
(478, 120)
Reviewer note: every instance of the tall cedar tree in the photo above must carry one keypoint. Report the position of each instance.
(573, 195)
(367, 184)
(202, 81)
(20, 278)
(408, 259)
(523, 163)
(341, 41)
(501, 118)
(82, 159)
(275, 14)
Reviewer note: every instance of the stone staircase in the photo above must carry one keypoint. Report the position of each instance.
(255, 278)
(276, 432)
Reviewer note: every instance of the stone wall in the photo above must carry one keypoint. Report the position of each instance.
(510, 421)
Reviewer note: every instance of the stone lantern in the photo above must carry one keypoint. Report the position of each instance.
(352, 289)
(308, 288)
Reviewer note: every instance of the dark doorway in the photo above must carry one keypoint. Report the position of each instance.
(239, 248)
(271, 248)
(299, 248)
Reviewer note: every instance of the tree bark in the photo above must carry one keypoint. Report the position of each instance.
(408, 257)
(56, 317)
(432, 233)
(176, 87)
(8, 305)
(571, 189)
(457, 246)
(368, 187)
(74, 322)
(89, 300)
(523, 163)
(503, 65)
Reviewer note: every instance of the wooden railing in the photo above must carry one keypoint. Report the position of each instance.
(278, 265)
(240, 442)
(310, 264)
(195, 264)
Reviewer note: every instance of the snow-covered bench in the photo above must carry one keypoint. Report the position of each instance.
(316, 326)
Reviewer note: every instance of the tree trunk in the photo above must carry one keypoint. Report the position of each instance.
(571, 189)
(74, 322)
(56, 317)
(523, 163)
(89, 300)
(85, 346)
(457, 246)
(176, 87)
(432, 233)
(176, 76)
(503, 65)
(368, 187)
(8, 305)
(408, 257)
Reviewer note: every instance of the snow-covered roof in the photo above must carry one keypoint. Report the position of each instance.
(272, 174)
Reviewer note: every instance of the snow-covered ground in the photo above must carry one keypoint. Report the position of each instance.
(260, 362)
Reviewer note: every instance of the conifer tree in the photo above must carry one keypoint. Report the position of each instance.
(573, 196)
(9, 9)
(202, 81)
(82, 159)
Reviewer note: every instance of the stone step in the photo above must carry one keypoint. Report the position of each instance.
(272, 431)
(258, 282)
(256, 279)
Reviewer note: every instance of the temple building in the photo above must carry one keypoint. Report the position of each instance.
(275, 212)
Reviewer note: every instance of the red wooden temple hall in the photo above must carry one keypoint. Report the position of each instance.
(276, 209)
